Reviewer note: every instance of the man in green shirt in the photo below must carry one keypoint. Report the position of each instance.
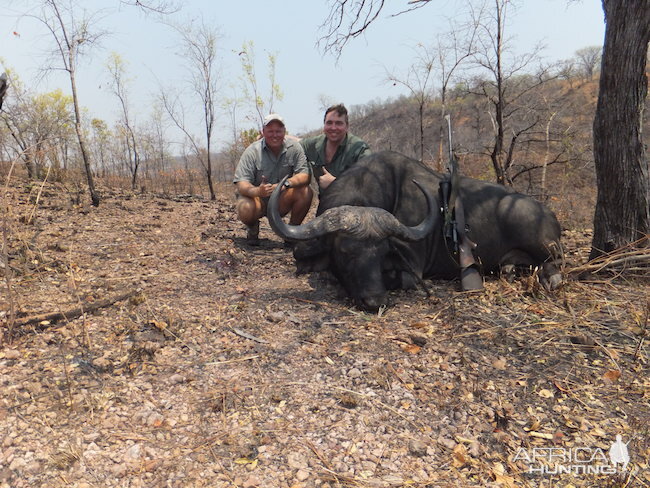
(261, 167)
(335, 150)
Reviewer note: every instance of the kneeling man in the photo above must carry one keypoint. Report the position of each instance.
(262, 165)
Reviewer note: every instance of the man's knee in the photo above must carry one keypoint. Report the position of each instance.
(303, 195)
(295, 198)
(248, 210)
(309, 193)
(299, 204)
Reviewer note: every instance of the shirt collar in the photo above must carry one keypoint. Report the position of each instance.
(284, 145)
(323, 141)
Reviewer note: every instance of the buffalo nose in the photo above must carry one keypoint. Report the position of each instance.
(371, 304)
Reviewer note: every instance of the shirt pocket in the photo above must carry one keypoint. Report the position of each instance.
(257, 176)
(286, 168)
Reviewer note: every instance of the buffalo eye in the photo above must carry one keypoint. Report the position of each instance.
(350, 246)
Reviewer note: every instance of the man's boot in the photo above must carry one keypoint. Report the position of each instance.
(252, 234)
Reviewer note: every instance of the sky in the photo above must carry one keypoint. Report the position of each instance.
(288, 29)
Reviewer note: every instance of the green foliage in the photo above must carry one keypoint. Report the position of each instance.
(54, 109)
(248, 136)
(250, 83)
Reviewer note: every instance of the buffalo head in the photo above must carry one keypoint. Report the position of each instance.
(354, 242)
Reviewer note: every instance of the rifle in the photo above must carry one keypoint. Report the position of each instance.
(454, 223)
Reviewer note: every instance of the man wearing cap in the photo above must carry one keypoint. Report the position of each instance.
(262, 165)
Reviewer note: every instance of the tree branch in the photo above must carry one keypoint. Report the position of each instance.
(75, 312)
(365, 12)
(162, 7)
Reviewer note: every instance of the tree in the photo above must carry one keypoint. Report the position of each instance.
(490, 50)
(199, 49)
(3, 87)
(622, 211)
(622, 214)
(453, 49)
(588, 59)
(159, 143)
(506, 85)
(418, 81)
(251, 87)
(72, 36)
(101, 136)
(118, 84)
(161, 7)
(15, 118)
(52, 121)
(349, 20)
(234, 148)
(40, 127)
(567, 70)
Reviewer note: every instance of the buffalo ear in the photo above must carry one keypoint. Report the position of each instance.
(311, 256)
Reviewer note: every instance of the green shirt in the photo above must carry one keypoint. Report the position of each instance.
(258, 160)
(349, 152)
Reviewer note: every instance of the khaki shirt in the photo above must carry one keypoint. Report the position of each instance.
(258, 160)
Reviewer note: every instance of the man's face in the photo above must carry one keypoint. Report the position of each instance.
(273, 133)
(335, 127)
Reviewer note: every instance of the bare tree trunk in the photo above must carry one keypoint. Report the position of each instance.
(25, 153)
(94, 196)
(497, 152)
(622, 214)
(117, 69)
(441, 130)
(68, 41)
(547, 152)
(209, 125)
(200, 49)
(136, 160)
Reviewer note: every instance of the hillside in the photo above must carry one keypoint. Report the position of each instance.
(152, 347)
(394, 125)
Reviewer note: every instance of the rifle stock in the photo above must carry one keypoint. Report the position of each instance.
(470, 276)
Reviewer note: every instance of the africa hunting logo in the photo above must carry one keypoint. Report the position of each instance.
(575, 460)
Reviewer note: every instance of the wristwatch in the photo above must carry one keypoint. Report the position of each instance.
(287, 184)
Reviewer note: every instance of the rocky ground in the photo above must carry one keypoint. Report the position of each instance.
(146, 345)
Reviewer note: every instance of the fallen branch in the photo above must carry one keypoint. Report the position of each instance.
(75, 312)
(247, 358)
(631, 260)
(248, 336)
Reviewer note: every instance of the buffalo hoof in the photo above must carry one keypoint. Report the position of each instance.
(550, 277)
(508, 272)
(553, 282)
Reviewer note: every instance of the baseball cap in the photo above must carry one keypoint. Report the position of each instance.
(271, 117)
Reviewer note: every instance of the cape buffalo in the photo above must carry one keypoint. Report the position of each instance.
(373, 229)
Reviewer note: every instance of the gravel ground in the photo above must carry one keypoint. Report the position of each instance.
(219, 367)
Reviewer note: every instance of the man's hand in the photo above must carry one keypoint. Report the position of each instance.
(326, 180)
(265, 189)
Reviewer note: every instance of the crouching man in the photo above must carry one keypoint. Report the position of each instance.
(261, 167)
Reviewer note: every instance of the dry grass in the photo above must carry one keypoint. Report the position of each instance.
(631, 261)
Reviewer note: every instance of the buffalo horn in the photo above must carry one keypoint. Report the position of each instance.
(357, 222)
